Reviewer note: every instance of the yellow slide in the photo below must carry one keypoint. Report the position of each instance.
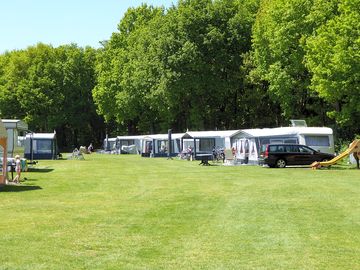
(353, 147)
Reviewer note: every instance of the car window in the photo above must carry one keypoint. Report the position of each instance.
(305, 149)
(272, 148)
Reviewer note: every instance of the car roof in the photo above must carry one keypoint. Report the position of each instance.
(287, 144)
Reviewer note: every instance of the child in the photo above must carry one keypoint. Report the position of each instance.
(17, 169)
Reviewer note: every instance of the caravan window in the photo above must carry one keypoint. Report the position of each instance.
(163, 146)
(127, 142)
(148, 147)
(317, 140)
(294, 141)
(112, 145)
(283, 140)
(188, 143)
(177, 142)
(206, 144)
(42, 146)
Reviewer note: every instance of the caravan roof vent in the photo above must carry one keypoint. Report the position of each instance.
(298, 123)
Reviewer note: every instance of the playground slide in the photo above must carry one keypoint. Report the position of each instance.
(354, 147)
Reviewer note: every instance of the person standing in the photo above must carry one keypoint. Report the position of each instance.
(17, 169)
(90, 148)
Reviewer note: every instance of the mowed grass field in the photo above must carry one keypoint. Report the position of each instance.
(128, 212)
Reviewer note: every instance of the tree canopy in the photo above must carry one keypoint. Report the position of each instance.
(51, 89)
(200, 64)
(333, 58)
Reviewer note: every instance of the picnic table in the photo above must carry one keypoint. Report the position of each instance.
(204, 159)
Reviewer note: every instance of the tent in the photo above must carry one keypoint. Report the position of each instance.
(157, 145)
(41, 146)
(129, 144)
(206, 141)
(3, 153)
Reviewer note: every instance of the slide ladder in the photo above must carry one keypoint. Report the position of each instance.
(353, 147)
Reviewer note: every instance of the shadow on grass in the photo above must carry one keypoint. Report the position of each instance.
(339, 168)
(25, 179)
(330, 168)
(44, 170)
(18, 188)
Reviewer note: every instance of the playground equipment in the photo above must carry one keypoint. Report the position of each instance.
(3, 153)
(354, 147)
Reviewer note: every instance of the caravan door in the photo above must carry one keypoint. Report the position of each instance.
(253, 152)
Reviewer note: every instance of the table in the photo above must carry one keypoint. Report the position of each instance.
(204, 159)
(11, 166)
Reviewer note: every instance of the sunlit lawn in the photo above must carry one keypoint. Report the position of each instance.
(128, 212)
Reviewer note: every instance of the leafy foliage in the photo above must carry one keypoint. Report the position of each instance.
(333, 57)
(178, 69)
(51, 89)
(201, 64)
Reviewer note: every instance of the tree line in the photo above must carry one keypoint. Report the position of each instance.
(198, 65)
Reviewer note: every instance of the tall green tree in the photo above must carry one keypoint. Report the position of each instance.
(279, 41)
(50, 88)
(29, 83)
(10, 75)
(180, 68)
(79, 121)
(124, 83)
(201, 48)
(333, 57)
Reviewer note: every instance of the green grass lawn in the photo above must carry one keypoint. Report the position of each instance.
(128, 212)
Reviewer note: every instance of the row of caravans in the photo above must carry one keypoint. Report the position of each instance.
(247, 145)
(157, 145)
(16, 139)
(25, 143)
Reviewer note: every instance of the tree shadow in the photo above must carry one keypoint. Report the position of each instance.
(18, 188)
(44, 170)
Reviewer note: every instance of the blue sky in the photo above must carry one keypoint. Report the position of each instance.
(26, 22)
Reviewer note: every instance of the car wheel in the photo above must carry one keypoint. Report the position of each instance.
(280, 163)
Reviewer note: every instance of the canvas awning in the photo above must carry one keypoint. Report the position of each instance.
(3, 152)
(3, 133)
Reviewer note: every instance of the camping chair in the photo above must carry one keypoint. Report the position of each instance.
(229, 157)
(76, 154)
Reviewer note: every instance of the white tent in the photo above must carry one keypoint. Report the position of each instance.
(157, 145)
(206, 141)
